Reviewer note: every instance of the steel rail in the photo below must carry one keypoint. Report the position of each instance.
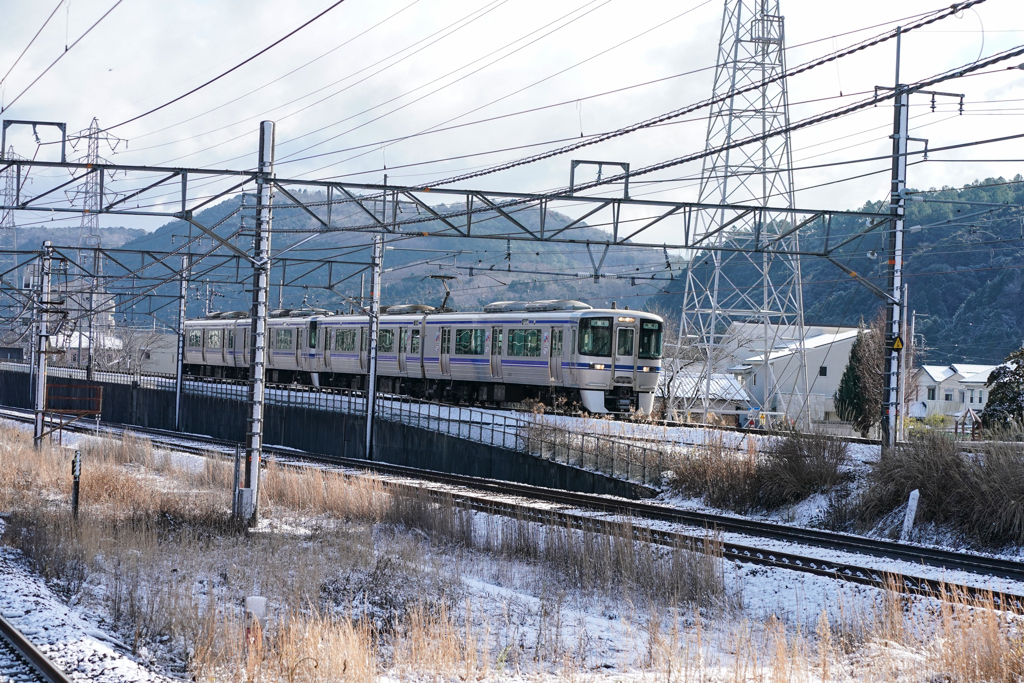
(634, 510)
(23, 649)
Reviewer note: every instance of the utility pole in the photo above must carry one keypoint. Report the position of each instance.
(904, 353)
(249, 495)
(42, 337)
(895, 304)
(179, 374)
(894, 249)
(371, 378)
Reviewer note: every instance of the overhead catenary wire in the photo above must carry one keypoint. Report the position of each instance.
(30, 43)
(223, 73)
(61, 56)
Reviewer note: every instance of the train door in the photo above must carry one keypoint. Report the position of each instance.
(573, 379)
(403, 341)
(625, 353)
(555, 356)
(328, 345)
(364, 347)
(496, 344)
(445, 350)
(416, 350)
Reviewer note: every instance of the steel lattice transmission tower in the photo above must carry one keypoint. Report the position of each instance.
(747, 300)
(8, 236)
(91, 297)
(10, 327)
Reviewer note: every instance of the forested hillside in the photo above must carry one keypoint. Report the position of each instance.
(964, 260)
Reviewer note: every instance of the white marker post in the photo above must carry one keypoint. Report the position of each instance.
(908, 520)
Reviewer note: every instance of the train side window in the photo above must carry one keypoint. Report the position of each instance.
(414, 341)
(345, 340)
(524, 342)
(470, 342)
(403, 339)
(213, 339)
(195, 339)
(231, 339)
(386, 341)
(364, 333)
(282, 339)
(312, 333)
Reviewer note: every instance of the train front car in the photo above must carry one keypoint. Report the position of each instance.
(618, 360)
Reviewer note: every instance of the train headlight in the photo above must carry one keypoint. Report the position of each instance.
(645, 369)
(597, 366)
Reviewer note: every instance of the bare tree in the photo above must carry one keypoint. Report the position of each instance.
(126, 349)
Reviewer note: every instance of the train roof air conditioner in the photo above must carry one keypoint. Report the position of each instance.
(557, 305)
(505, 306)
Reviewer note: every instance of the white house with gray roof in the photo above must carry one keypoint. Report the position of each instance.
(777, 384)
(949, 389)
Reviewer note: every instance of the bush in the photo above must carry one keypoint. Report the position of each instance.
(978, 492)
(794, 466)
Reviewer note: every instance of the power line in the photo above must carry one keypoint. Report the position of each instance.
(465, 21)
(506, 96)
(224, 73)
(934, 17)
(60, 56)
(267, 84)
(59, 3)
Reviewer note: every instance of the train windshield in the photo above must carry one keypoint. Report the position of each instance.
(596, 337)
(650, 340)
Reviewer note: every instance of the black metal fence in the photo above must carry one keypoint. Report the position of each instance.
(295, 413)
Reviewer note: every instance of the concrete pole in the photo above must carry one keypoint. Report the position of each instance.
(894, 251)
(179, 373)
(249, 495)
(902, 367)
(42, 337)
(371, 377)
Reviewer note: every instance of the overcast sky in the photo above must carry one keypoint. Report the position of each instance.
(476, 59)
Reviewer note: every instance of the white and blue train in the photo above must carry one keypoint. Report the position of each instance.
(607, 360)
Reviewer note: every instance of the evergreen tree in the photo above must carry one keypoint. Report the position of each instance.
(859, 396)
(1006, 393)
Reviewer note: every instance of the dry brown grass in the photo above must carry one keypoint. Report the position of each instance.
(976, 488)
(353, 597)
(793, 466)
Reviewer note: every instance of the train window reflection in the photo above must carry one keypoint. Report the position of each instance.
(650, 340)
(345, 340)
(386, 343)
(596, 337)
(524, 343)
(282, 339)
(470, 342)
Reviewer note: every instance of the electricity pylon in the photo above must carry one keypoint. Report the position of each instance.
(91, 195)
(726, 287)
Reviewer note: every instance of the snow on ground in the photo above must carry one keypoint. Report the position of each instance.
(71, 638)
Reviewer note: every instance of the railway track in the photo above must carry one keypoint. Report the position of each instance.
(708, 526)
(22, 662)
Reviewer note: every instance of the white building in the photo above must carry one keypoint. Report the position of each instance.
(948, 389)
(777, 383)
